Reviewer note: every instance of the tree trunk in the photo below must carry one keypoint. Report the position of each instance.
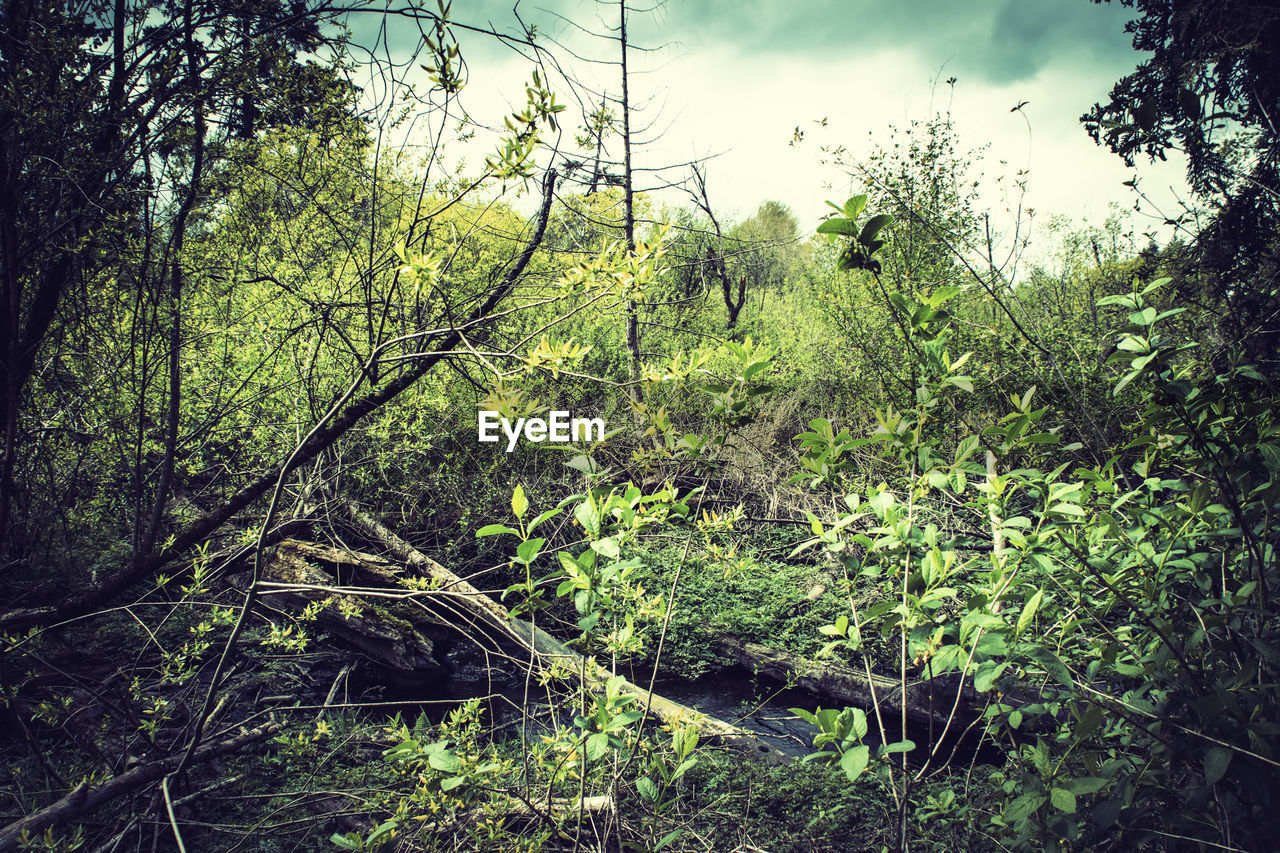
(732, 306)
(395, 640)
(173, 415)
(629, 223)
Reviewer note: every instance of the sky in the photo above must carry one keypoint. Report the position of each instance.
(734, 80)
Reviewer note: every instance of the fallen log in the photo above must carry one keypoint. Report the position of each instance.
(542, 649)
(86, 797)
(481, 613)
(925, 702)
(290, 579)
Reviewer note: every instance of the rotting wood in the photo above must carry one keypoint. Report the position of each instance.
(482, 613)
(361, 623)
(924, 702)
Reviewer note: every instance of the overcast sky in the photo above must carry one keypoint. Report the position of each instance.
(736, 78)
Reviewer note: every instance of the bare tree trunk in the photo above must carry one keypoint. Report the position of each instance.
(598, 128)
(715, 260)
(838, 682)
(174, 413)
(629, 223)
(732, 306)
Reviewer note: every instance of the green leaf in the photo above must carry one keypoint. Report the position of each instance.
(445, 762)
(1156, 285)
(1105, 813)
(986, 676)
(607, 548)
(588, 516)
(939, 296)
(597, 745)
(583, 463)
(985, 621)
(1021, 808)
(1063, 800)
(1029, 611)
(1145, 317)
(837, 225)
(1134, 343)
(1124, 381)
(518, 502)
(855, 205)
(494, 529)
(839, 629)
(859, 730)
(854, 761)
(814, 524)
(1125, 299)
(528, 550)
(1056, 669)
(1089, 722)
(900, 746)
(1267, 650)
(668, 838)
(648, 790)
(1216, 761)
(1085, 785)
(873, 226)
(543, 516)
(625, 719)
(807, 716)
(965, 448)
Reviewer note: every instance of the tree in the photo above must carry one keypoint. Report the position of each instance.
(618, 117)
(923, 179)
(1212, 89)
(123, 260)
(105, 117)
(754, 251)
(767, 240)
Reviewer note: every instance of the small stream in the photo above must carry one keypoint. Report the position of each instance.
(733, 695)
(750, 702)
(754, 703)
